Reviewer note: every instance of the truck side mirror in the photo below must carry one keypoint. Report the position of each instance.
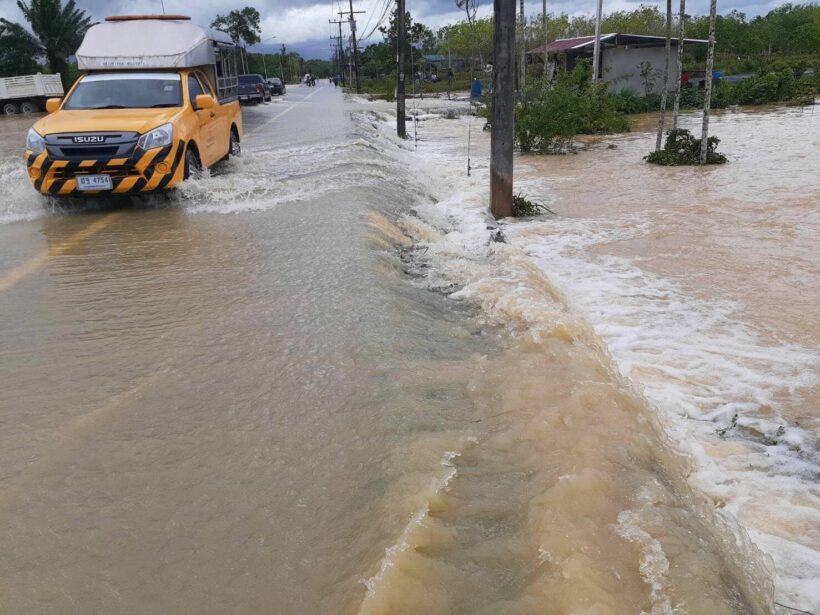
(52, 104)
(204, 101)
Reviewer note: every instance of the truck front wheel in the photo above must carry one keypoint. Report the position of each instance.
(193, 167)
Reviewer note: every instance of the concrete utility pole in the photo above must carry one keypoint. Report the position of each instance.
(546, 34)
(596, 57)
(501, 140)
(352, 21)
(681, 25)
(401, 129)
(523, 53)
(707, 95)
(341, 48)
(665, 88)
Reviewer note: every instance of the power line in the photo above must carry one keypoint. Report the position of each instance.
(388, 5)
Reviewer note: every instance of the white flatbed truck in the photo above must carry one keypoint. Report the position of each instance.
(28, 94)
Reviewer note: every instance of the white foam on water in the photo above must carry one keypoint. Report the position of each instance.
(19, 201)
(268, 178)
(718, 384)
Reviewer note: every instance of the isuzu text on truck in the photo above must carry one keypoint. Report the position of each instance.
(156, 104)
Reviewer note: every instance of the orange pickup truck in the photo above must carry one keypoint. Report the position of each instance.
(156, 104)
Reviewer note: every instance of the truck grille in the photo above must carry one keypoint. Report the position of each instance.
(91, 151)
(116, 145)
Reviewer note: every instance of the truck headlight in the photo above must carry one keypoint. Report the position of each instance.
(159, 137)
(34, 142)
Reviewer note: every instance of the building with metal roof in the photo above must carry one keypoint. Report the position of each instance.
(627, 61)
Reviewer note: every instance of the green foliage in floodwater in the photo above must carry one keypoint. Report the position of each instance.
(785, 85)
(682, 148)
(551, 114)
(524, 207)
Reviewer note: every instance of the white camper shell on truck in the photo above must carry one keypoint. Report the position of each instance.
(29, 93)
(126, 43)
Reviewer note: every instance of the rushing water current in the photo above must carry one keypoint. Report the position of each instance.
(317, 382)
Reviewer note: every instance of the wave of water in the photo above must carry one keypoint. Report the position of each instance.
(721, 387)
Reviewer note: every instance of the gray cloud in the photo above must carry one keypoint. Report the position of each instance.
(303, 24)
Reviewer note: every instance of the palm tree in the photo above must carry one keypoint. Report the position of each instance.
(18, 50)
(60, 30)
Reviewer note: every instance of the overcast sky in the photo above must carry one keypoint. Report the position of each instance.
(303, 24)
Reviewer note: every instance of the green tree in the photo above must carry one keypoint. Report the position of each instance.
(242, 25)
(18, 50)
(418, 35)
(59, 30)
(470, 41)
(378, 60)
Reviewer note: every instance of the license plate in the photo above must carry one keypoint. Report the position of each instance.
(94, 182)
(243, 98)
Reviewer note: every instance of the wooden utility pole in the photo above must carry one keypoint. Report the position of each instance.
(665, 88)
(707, 95)
(523, 52)
(596, 57)
(676, 105)
(401, 129)
(350, 15)
(501, 140)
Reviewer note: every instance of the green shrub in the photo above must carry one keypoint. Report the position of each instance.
(627, 101)
(550, 115)
(763, 88)
(524, 207)
(683, 148)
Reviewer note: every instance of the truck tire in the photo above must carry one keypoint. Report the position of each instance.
(193, 167)
(28, 106)
(10, 108)
(234, 148)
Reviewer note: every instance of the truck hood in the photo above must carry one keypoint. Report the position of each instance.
(105, 120)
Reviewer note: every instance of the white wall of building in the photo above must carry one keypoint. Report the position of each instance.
(622, 68)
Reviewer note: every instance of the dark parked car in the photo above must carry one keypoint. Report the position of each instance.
(277, 86)
(253, 88)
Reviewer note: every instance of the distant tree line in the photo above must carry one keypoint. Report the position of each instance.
(790, 29)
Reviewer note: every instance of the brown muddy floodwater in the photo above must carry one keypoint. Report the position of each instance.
(310, 383)
(699, 287)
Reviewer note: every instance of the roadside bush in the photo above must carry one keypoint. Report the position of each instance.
(524, 207)
(628, 101)
(683, 148)
(763, 88)
(552, 114)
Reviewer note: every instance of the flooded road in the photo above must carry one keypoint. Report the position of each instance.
(310, 383)
(202, 412)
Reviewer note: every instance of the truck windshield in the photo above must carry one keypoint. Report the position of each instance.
(126, 91)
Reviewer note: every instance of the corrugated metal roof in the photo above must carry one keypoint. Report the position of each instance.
(563, 44)
(580, 42)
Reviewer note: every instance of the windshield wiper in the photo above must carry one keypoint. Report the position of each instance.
(158, 105)
(111, 107)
